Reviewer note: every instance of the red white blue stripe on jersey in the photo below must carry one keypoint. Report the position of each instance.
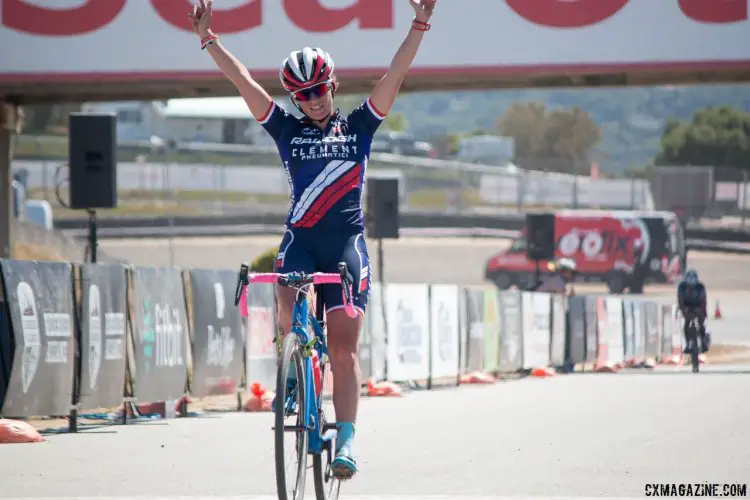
(333, 183)
(380, 116)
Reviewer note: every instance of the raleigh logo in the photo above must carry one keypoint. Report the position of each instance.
(95, 335)
(344, 139)
(32, 339)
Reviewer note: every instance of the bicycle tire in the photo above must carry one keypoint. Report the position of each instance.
(694, 359)
(326, 486)
(290, 351)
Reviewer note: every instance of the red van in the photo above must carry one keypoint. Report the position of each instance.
(603, 245)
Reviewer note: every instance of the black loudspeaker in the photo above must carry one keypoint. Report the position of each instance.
(382, 208)
(92, 158)
(540, 236)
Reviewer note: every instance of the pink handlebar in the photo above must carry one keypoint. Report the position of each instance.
(318, 279)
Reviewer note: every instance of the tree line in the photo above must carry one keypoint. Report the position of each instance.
(566, 140)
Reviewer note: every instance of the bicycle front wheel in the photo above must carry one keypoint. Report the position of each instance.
(286, 397)
(694, 353)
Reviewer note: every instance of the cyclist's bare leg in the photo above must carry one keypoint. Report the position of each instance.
(285, 297)
(343, 347)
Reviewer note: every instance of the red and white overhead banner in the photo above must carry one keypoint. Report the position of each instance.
(92, 39)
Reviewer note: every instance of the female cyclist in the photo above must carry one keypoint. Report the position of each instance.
(325, 155)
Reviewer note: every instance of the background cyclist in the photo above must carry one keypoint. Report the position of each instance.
(562, 281)
(692, 299)
(325, 155)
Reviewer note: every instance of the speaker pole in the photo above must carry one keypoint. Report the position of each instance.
(92, 234)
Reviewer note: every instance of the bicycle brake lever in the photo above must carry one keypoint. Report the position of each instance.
(242, 282)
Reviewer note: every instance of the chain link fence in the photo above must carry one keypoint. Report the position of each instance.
(198, 178)
(718, 196)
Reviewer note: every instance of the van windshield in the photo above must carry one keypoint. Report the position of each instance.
(518, 245)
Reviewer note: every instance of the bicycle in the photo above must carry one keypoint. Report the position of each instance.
(306, 340)
(691, 333)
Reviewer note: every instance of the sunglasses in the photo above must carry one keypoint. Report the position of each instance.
(313, 92)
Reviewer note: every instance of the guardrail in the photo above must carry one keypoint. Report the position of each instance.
(502, 224)
(222, 172)
(74, 338)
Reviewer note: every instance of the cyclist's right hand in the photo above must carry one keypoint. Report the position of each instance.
(200, 18)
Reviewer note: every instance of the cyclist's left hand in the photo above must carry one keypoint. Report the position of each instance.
(423, 9)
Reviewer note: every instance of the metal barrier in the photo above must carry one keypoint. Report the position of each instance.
(142, 335)
(224, 178)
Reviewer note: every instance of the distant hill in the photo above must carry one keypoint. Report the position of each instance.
(631, 119)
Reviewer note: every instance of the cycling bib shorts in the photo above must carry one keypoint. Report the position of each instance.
(326, 172)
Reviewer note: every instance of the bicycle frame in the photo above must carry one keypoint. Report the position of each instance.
(301, 318)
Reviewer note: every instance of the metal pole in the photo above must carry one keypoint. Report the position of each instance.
(9, 125)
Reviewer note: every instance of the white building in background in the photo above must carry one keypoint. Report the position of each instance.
(206, 119)
(487, 149)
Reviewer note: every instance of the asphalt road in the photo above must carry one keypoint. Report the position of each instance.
(410, 259)
(573, 435)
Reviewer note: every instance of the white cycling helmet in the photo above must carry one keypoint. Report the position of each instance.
(566, 263)
(306, 68)
(691, 277)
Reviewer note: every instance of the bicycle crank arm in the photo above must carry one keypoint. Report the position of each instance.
(294, 428)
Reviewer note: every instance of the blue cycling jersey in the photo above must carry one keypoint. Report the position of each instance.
(693, 297)
(325, 168)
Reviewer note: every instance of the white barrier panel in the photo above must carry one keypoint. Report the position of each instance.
(557, 347)
(378, 353)
(536, 329)
(627, 313)
(639, 330)
(408, 309)
(444, 330)
(463, 331)
(613, 336)
(678, 339)
(260, 350)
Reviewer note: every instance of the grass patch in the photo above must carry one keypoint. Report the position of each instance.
(27, 251)
(141, 202)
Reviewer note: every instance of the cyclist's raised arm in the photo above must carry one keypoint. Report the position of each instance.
(257, 99)
(386, 90)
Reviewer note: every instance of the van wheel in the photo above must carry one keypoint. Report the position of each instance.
(502, 280)
(526, 281)
(615, 282)
(636, 288)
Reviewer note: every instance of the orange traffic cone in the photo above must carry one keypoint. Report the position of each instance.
(717, 314)
(18, 431)
(384, 388)
(543, 371)
(260, 398)
(477, 378)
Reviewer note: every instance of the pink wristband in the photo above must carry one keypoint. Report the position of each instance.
(208, 39)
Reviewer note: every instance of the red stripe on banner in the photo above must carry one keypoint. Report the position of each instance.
(329, 196)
